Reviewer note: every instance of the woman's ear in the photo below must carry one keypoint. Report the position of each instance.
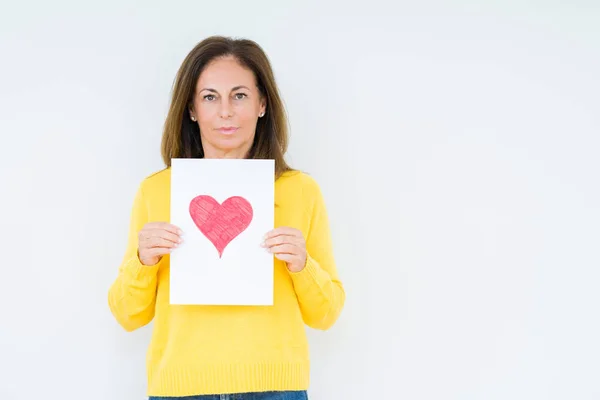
(192, 114)
(263, 108)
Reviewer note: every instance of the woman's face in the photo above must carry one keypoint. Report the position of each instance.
(227, 105)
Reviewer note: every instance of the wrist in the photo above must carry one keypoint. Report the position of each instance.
(298, 267)
(147, 263)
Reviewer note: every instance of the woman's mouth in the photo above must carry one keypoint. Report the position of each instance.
(227, 130)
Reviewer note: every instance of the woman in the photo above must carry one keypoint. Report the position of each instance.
(226, 104)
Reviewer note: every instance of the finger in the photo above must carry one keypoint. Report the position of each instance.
(159, 242)
(165, 226)
(160, 233)
(283, 230)
(284, 249)
(164, 234)
(289, 258)
(171, 228)
(157, 251)
(283, 239)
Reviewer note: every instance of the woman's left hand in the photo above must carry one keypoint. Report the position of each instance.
(287, 244)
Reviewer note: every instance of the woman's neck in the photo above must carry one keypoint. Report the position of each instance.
(229, 153)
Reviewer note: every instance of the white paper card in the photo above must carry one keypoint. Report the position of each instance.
(224, 207)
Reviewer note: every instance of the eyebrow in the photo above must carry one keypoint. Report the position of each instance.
(234, 89)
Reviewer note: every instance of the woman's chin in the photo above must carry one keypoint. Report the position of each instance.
(230, 144)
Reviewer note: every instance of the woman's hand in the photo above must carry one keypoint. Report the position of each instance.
(157, 239)
(287, 244)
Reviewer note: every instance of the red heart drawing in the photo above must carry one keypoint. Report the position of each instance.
(221, 223)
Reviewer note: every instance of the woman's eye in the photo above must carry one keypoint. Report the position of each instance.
(209, 97)
(240, 96)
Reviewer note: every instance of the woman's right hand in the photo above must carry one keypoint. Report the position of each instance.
(157, 239)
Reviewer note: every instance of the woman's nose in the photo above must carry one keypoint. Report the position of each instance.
(226, 109)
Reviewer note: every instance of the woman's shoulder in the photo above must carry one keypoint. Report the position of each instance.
(156, 180)
(299, 179)
(299, 183)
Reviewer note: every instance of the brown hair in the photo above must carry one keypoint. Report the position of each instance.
(181, 136)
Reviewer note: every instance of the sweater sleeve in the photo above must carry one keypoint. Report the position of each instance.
(320, 292)
(132, 295)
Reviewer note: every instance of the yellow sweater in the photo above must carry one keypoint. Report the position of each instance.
(231, 349)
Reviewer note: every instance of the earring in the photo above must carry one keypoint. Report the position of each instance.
(261, 115)
(193, 118)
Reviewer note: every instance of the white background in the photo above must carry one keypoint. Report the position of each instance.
(244, 273)
(456, 146)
